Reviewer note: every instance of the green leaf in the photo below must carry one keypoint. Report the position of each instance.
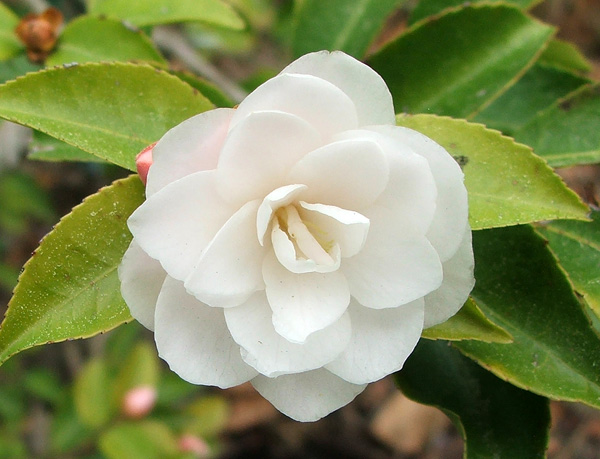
(141, 368)
(45, 148)
(468, 323)
(153, 12)
(9, 43)
(340, 25)
(555, 352)
(15, 67)
(91, 39)
(495, 418)
(537, 90)
(44, 384)
(577, 247)
(209, 415)
(110, 110)
(426, 8)
(141, 440)
(507, 184)
(91, 394)
(69, 288)
(209, 90)
(567, 133)
(565, 55)
(452, 64)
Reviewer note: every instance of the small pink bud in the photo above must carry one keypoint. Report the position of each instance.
(143, 161)
(138, 402)
(189, 443)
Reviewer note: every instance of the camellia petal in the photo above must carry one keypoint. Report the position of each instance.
(307, 396)
(178, 222)
(272, 355)
(188, 331)
(189, 147)
(303, 303)
(251, 164)
(318, 102)
(273, 201)
(141, 279)
(361, 83)
(381, 341)
(443, 303)
(347, 174)
(229, 270)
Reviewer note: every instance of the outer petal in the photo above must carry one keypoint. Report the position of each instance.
(307, 396)
(259, 151)
(229, 270)
(141, 280)
(381, 341)
(271, 354)
(444, 302)
(346, 227)
(318, 102)
(189, 147)
(349, 174)
(177, 223)
(361, 83)
(390, 271)
(446, 230)
(303, 303)
(194, 340)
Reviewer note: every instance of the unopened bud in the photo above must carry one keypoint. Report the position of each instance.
(138, 402)
(189, 443)
(143, 161)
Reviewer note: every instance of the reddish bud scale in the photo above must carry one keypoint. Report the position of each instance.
(143, 161)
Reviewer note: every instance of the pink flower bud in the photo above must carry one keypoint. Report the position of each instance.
(189, 443)
(143, 161)
(138, 402)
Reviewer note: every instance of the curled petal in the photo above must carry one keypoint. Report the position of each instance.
(443, 303)
(368, 91)
(271, 354)
(189, 147)
(318, 102)
(274, 200)
(381, 341)
(303, 303)
(141, 280)
(229, 270)
(194, 340)
(307, 396)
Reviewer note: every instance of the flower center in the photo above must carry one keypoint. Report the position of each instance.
(291, 223)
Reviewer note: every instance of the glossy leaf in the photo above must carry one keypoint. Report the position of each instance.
(537, 90)
(141, 440)
(452, 64)
(209, 90)
(110, 110)
(153, 12)
(91, 394)
(577, 246)
(495, 418)
(427, 8)
(555, 351)
(9, 43)
(507, 183)
(15, 67)
(567, 133)
(565, 55)
(69, 288)
(468, 323)
(340, 25)
(91, 39)
(45, 148)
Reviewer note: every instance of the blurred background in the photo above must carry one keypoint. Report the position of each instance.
(110, 396)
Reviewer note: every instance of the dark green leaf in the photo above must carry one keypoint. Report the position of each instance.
(577, 246)
(70, 288)
(340, 25)
(153, 12)
(15, 67)
(9, 44)
(567, 133)
(555, 352)
(91, 39)
(452, 65)
(45, 148)
(468, 323)
(565, 55)
(110, 110)
(496, 419)
(209, 90)
(507, 184)
(537, 90)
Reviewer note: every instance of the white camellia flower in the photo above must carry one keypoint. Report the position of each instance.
(301, 241)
